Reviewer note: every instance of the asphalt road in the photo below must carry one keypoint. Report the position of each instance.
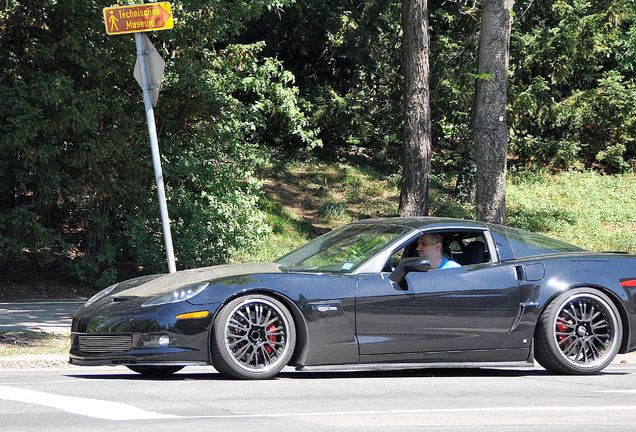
(198, 399)
(49, 316)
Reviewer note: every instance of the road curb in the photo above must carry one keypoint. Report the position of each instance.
(34, 361)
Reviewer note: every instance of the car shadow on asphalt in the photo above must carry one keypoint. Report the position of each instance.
(311, 375)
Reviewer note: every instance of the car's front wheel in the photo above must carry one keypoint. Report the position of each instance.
(253, 337)
(580, 332)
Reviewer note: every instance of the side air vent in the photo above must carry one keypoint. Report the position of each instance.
(121, 299)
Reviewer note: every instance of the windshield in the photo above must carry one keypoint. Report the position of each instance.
(342, 250)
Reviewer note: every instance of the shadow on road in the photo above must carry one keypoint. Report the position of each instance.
(378, 374)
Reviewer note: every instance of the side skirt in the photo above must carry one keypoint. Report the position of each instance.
(402, 366)
(517, 357)
(469, 356)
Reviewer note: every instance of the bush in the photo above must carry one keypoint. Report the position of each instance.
(76, 182)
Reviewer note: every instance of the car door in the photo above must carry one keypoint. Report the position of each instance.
(465, 308)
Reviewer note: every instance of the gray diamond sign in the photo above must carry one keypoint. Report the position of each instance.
(155, 65)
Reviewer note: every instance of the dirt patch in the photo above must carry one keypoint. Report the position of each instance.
(23, 338)
(26, 342)
(329, 196)
(300, 205)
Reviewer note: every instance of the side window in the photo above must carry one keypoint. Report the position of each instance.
(473, 249)
(463, 247)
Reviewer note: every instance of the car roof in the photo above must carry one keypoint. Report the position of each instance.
(426, 222)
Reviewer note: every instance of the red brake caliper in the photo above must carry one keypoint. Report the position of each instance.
(271, 338)
(562, 328)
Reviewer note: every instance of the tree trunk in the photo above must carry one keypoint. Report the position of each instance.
(490, 130)
(417, 115)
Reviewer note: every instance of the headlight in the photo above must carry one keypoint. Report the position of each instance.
(102, 293)
(178, 295)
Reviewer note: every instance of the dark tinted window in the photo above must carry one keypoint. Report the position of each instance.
(524, 243)
(501, 241)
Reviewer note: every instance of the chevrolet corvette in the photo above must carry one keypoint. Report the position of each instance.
(361, 295)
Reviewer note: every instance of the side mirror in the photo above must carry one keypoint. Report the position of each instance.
(418, 264)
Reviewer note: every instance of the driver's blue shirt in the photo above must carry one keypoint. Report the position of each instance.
(447, 263)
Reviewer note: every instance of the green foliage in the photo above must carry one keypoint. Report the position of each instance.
(571, 87)
(572, 90)
(603, 121)
(246, 80)
(483, 76)
(76, 183)
(287, 233)
(346, 57)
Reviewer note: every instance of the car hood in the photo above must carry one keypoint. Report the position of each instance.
(168, 282)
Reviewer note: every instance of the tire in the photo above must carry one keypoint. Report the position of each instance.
(155, 371)
(579, 333)
(253, 337)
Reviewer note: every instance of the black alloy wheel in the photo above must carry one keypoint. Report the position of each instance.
(580, 332)
(253, 338)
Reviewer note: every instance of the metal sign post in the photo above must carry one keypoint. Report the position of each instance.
(142, 52)
(149, 69)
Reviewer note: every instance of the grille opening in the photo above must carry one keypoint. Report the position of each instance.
(104, 343)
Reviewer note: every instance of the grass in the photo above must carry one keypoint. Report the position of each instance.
(593, 211)
(287, 233)
(25, 342)
(303, 200)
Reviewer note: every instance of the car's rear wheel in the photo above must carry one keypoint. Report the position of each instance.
(253, 337)
(155, 371)
(580, 332)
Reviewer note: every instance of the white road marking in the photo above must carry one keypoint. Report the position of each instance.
(618, 391)
(422, 411)
(96, 408)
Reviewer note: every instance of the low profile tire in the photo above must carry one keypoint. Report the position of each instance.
(579, 333)
(253, 337)
(155, 371)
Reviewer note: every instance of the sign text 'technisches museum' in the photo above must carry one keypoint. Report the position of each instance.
(139, 18)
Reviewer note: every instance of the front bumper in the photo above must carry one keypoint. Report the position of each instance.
(124, 333)
(142, 350)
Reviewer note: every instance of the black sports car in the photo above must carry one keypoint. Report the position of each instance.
(362, 295)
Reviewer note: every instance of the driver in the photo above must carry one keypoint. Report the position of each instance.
(429, 246)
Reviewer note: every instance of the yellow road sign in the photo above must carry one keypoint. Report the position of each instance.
(138, 18)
